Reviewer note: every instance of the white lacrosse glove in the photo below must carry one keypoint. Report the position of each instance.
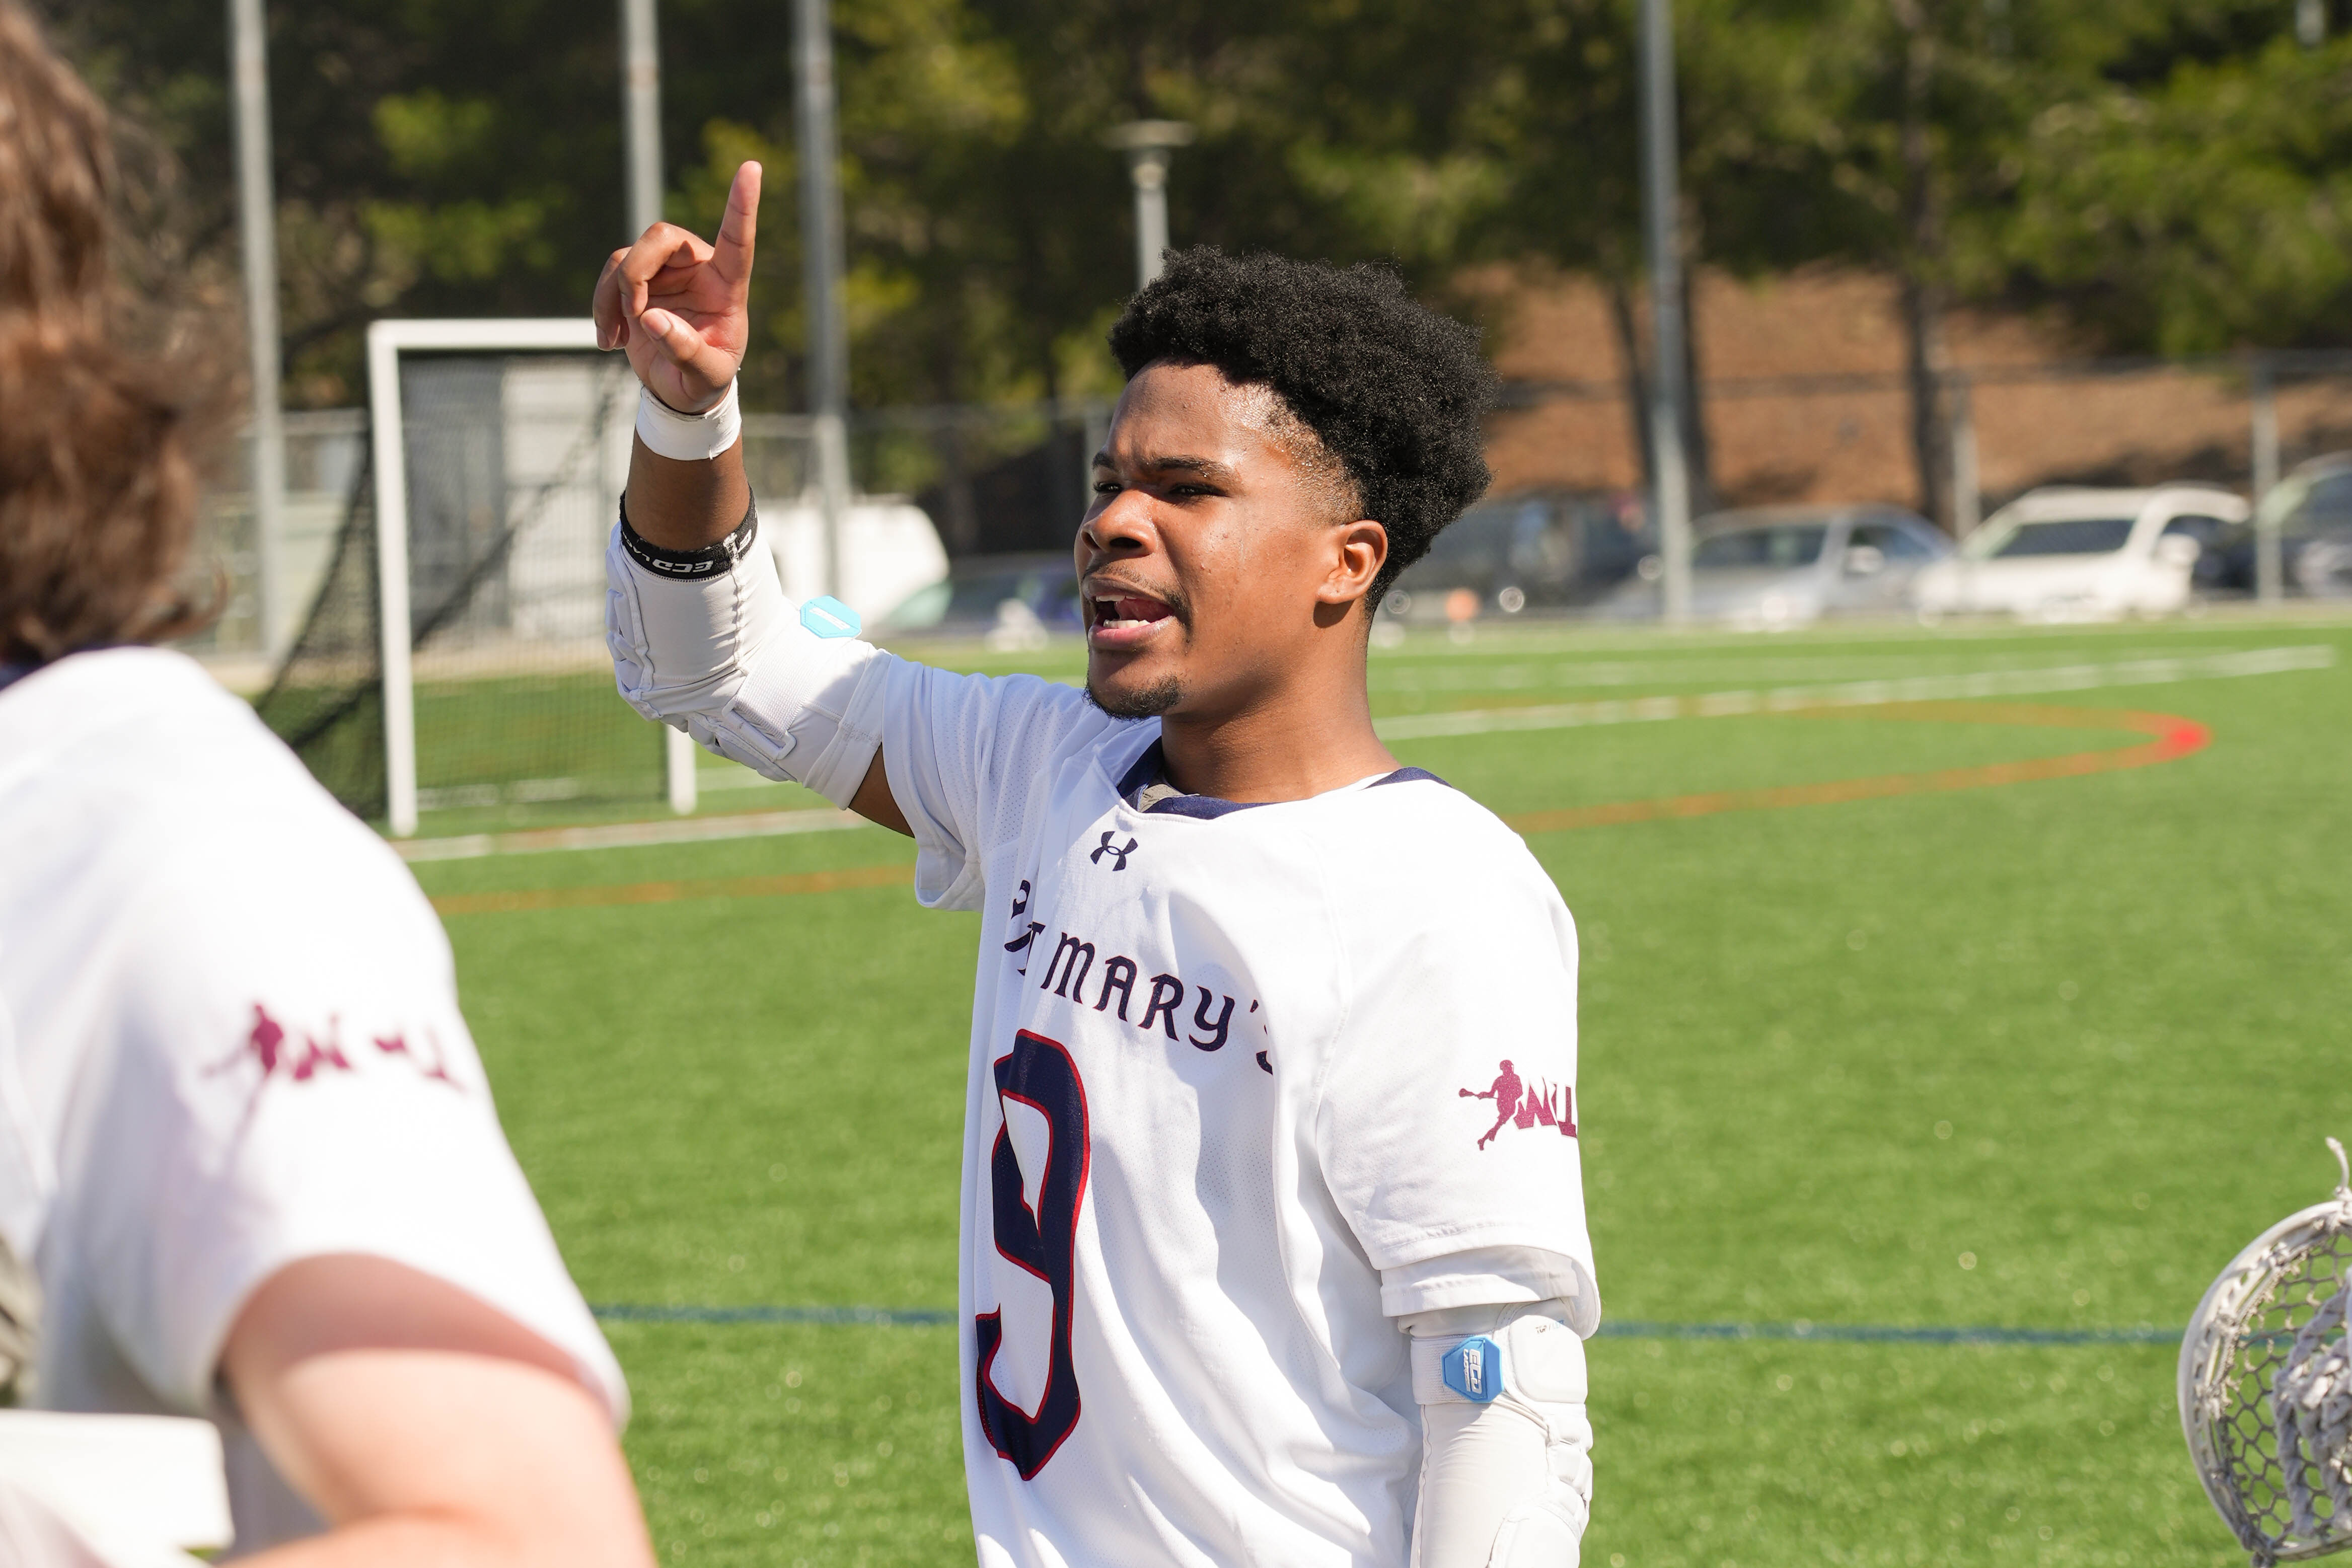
(1507, 1466)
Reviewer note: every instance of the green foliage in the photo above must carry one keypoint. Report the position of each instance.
(2043, 1056)
(2165, 174)
(2205, 210)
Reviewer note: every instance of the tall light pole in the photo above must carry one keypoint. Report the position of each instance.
(258, 237)
(822, 264)
(1659, 202)
(641, 113)
(641, 157)
(1148, 144)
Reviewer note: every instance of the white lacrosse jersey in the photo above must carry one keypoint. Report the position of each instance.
(1246, 1083)
(229, 1039)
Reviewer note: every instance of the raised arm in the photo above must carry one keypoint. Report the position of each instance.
(679, 306)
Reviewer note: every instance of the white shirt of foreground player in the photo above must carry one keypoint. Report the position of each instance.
(1245, 1083)
(229, 1039)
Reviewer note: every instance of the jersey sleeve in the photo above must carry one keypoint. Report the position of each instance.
(964, 755)
(1490, 1277)
(1447, 1120)
(290, 1078)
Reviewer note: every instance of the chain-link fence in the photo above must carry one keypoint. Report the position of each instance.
(993, 481)
(1010, 480)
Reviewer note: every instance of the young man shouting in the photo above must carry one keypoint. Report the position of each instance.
(1273, 1235)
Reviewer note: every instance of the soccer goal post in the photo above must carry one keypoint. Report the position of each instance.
(497, 448)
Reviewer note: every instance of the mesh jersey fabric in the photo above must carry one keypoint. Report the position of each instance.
(229, 1039)
(1232, 1074)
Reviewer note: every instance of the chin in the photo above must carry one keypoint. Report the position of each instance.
(1147, 700)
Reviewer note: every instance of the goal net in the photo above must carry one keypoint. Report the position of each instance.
(452, 668)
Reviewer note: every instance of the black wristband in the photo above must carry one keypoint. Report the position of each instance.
(709, 561)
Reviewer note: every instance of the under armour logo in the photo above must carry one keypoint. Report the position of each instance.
(1107, 848)
(1021, 944)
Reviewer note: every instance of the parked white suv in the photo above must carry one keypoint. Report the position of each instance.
(2069, 553)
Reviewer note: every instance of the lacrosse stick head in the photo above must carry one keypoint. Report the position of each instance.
(2267, 1386)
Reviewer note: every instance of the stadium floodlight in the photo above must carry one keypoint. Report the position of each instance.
(523, 445)
(1148, 144)
(2267, 1386)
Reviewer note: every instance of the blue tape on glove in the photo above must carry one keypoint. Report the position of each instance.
(1473, 1369)
(828, 617)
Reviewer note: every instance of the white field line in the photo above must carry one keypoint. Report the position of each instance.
(1476, 721)
(627, 835)
(1862, 694)
(1458, 677)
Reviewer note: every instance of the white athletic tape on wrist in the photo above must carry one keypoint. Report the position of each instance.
(726, 658)
(689, 437)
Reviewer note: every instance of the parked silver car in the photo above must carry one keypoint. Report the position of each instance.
(1769, 568)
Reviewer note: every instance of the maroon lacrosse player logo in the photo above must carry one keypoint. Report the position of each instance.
(1520, 1104)
(270, 1047)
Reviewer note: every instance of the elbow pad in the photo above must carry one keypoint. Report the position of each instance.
(1507, 1467)
(705, 642)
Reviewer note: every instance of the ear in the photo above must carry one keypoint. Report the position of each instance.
(1359, 549)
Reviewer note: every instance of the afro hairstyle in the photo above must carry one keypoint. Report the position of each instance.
(1393, 390)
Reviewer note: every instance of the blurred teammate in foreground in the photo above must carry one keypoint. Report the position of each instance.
(246, 1146)
(1243, 1278)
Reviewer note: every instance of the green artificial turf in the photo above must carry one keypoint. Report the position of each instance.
(2040, 1056)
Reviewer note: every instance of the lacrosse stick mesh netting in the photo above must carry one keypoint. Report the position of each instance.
(2266, 1386)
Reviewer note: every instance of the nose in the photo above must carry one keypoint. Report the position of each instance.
(1121, 527)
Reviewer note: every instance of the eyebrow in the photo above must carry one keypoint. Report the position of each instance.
(1207, 468)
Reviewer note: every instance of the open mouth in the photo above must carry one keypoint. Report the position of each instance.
(1130, 612)
(1124, 621)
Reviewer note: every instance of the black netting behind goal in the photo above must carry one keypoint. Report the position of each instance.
(512, 462)
(326, 700)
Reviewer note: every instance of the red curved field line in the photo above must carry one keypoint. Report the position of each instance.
(2170, 739)
(2171, 736)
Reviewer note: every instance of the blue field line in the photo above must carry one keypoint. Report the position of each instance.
(874, 1317)
(1851, 1333)
(1891, 1333)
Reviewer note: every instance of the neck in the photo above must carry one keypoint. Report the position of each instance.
(1302, 737)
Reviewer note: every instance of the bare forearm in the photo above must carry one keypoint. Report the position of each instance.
(458, 1461)
(424, 1427)
(681, 505)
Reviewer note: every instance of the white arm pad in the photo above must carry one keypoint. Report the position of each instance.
(1507, 1466)
(725, 657)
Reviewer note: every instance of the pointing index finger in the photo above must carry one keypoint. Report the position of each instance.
(731, 257)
